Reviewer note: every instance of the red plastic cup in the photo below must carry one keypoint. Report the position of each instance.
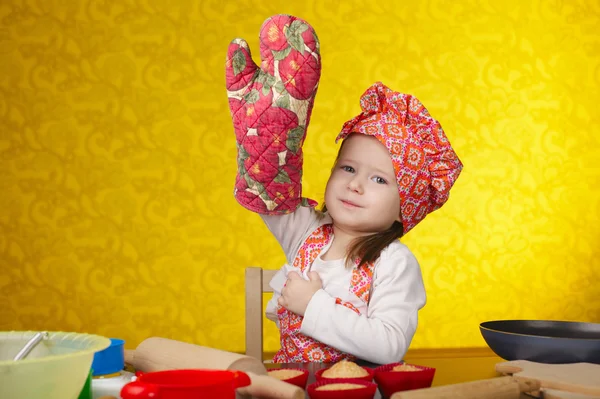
(185, 384)
(366, 391)
(368, 377)
(299, 380)
(390, 381)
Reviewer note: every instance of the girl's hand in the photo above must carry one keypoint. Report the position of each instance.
(297, 292)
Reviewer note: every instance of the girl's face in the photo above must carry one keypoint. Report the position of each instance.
(362, 194)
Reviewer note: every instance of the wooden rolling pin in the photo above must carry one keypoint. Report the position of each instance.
(263, 386)
(493, 388)
(157, 354)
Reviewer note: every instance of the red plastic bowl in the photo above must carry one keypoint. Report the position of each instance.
(299, 380)
(369, 377)
(367, 392)
(390, 381)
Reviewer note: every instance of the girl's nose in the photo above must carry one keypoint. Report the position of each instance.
(355, 185)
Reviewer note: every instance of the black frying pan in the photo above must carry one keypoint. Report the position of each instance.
(543, 341)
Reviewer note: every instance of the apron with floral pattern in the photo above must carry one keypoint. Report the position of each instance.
(297, 347)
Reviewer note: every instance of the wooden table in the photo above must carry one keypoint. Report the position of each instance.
(452, 366)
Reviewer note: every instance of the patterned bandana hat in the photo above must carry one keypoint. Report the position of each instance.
(425, 164)
(270, 108)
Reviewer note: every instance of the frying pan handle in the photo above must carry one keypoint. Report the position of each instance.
(493, 388)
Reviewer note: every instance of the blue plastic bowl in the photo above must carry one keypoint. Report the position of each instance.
(543, 341)
(110, 360)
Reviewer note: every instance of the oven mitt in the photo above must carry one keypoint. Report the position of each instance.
(270, 107)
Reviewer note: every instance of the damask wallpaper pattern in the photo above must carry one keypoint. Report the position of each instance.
(117, 159)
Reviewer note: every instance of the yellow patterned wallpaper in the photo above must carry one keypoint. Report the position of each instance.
(117, 159)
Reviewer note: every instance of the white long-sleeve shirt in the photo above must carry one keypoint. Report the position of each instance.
(383, 331)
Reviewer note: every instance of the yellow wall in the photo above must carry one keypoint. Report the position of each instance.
(117, 159)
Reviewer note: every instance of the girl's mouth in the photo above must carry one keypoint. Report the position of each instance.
(350, 204)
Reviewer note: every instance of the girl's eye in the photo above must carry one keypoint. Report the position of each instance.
(348, 169)
(379, 180)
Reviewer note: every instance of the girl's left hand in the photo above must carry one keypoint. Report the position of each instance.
(297, 292)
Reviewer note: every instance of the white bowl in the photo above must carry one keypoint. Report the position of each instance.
(56, 368)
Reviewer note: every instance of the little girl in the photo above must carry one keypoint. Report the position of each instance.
(350, 289)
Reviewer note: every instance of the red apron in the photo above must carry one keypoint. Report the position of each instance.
(297, 347)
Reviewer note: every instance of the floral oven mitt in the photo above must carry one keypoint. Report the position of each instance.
(270, 107)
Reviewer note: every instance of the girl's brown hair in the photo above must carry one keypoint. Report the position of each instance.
(368, 248)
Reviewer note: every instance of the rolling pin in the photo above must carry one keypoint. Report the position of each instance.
(157, 354)
(263, 386)
(493, 388)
